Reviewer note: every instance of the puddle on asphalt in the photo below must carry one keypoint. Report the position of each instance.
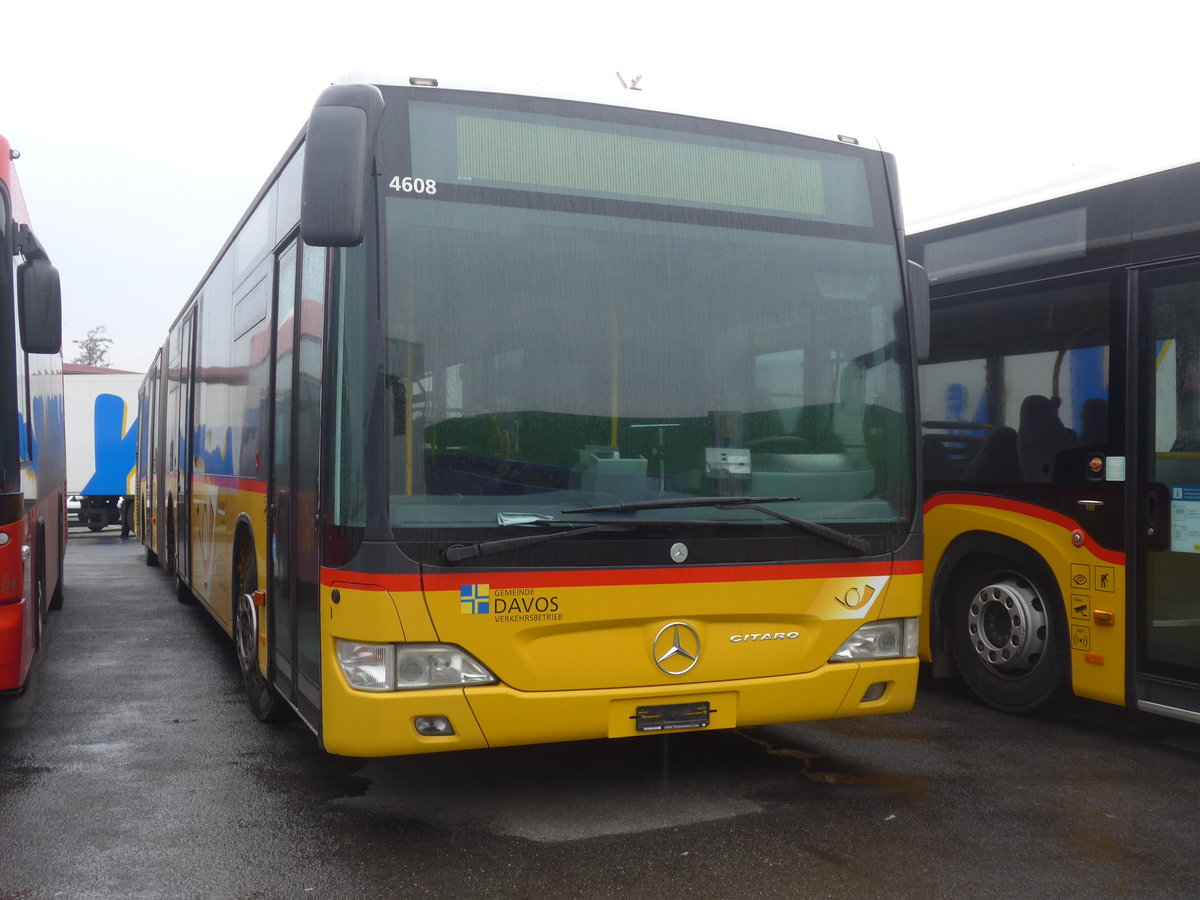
(814, 768)
(591, 790)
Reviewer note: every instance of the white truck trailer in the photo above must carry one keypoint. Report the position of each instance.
(101, 415)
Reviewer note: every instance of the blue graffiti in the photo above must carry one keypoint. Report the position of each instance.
(48, 469)
(115, 452)
(214, 458)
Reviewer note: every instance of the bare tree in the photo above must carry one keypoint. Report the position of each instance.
(93, 349)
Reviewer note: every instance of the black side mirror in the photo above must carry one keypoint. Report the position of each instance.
(918, 287)
(338, 148)
(39, 307)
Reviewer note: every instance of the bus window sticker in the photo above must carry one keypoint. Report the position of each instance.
(1185, 519)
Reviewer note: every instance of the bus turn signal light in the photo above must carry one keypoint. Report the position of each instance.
(1103, 617)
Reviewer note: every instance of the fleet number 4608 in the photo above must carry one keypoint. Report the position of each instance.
(410, 185)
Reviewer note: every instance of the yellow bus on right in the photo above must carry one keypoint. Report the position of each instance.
(1061, 448)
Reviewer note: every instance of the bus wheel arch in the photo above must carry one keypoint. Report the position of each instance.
(1000, 615)
(264, 701)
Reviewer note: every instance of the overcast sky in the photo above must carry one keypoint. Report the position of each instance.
(145, 129)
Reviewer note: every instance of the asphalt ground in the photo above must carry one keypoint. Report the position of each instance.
(132, 768)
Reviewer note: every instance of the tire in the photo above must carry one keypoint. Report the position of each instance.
(39, 612)
(264, 700)
(1008, 635)
(169, 561)
(183, 593)
(56, 600)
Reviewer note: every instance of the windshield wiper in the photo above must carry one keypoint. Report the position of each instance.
(459, 552)
(851, 542)
(682, 503)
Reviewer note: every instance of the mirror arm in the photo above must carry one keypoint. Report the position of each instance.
(28, 245)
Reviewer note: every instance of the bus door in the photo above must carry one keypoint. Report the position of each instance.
(182, 356)
(295, 447)
(1168, 642)
(144, 456)
(150, 461)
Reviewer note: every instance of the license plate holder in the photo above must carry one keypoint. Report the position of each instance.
(672, 716)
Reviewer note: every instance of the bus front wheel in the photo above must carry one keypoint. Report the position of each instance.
(264, 702)
(1008, 635)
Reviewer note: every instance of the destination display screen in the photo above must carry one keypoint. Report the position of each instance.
(499, 148)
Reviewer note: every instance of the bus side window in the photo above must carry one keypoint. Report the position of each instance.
(997, 459)
(1041, 436)
(1093, 423)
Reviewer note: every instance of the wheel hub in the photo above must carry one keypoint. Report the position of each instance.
(1007, 626)
(247, 633)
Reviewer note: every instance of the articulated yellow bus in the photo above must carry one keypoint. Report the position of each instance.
(1062, 447)
(503, 419)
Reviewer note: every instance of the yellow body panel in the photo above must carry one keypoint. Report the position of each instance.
(1089, 578)
(575, 656)
(216, 511)
(586, 663)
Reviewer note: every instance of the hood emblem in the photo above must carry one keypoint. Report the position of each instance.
(676, 648)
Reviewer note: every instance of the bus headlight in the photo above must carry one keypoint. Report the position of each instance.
(437, 665)
(405, 667)
(885, 639)
(367, 667)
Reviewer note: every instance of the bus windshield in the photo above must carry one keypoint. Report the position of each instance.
(559, 342)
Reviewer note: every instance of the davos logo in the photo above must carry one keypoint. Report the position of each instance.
(474, 599)
(524, 604)
(481, 600)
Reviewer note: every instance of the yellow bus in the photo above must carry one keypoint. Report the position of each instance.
(504, 419)
(1062, 448)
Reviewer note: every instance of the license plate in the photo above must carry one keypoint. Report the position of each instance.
(672, 717)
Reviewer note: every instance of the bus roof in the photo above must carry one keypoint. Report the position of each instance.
(743, 112)
(1051, 191)
(8, 174)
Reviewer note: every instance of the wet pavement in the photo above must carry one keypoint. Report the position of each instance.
(132, 768)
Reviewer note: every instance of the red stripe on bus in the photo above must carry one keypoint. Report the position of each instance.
(624, 577)
(1031, 510)
(233, 483)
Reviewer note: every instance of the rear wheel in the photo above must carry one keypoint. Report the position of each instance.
(170, 561)
(264, 700)
(39, 612)
(56, 599)
(1008, 635)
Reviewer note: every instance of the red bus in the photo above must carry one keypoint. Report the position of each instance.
(33, 471)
